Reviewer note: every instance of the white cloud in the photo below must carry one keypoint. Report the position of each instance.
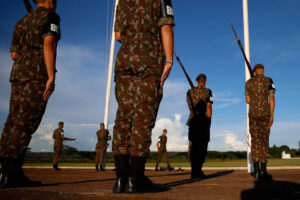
(233, 143)
(177, 141)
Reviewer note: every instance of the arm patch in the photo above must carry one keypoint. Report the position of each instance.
(166, 9)
(52, 26)
(272, 86)
(209, 98)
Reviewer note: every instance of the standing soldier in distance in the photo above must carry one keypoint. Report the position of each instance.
(162, 150)
(58, 136)
(32, 78)
(103, 136)
(143, 63)
(200, 102)
(260, 97)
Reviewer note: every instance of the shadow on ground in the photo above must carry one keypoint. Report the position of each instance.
(187, 181)
(272, 189)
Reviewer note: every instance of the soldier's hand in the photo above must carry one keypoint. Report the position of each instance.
(165, 74)
(49, 89)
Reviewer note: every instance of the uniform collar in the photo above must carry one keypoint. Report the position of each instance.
(200, 87)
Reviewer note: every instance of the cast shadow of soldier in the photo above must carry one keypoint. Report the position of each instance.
(170, 184)
(272, 189)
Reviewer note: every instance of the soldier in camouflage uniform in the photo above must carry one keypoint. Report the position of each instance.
(162, 150)
(103, 136)
(33, 50)
(260, 97)
(143, 63)
(200, 102)
(58, 136)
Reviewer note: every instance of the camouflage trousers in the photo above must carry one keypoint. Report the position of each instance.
(260, 133)
(162, 153)
(138, 101)
(56, 153)
(25, 114)
(100, 152)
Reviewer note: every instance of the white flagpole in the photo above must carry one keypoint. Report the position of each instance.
(110, 70)
(109, 74)
(247, 52)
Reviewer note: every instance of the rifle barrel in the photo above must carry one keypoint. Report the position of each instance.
(184, 71)
(243, 52)
(28, 6)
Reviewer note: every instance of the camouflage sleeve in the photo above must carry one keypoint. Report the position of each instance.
(117, 26)
(15, 40)
(247, 93)
(188, 100)
(272, 86)
(52, 26)
(166, 16)
(209, 98)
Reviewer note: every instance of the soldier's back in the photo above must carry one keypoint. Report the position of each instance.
(258, 89)
(28, 43)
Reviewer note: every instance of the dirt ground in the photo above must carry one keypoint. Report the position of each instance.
(83, 184)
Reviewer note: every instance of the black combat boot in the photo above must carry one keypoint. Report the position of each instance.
(170, 168)
(23, 180)
(264, 175)
(55, 167)
(102, 168)
(138, 182)
(122, 168)
(97, 168)
(4, 173)
(256, 173)
(12, 175)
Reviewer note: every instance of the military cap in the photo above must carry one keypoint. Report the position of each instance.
(201, 77)
(257, 66)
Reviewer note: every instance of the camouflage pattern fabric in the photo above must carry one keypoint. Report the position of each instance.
(196, 95)
(25, 114)
(162, 150)
(101, 146)
(139, 65)
(260, 133)
(28, 78)
(258, 89)
(28, 43)
(163, 142)
(138, 102)
(58, 143)
(139, 23)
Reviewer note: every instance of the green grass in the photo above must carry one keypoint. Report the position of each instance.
(209, 163)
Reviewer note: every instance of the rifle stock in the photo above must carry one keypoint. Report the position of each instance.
(187, 76)
(28, 6)
(243, 52)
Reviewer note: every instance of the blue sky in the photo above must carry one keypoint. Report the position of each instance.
(205, 43)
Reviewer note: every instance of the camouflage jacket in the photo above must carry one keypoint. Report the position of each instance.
(258, 89)
(163, 142)
(197, 98)
(57, 136)
(103, 136)
(27, 41)
(139, 24)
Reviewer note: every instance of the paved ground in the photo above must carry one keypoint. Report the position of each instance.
(83, 184)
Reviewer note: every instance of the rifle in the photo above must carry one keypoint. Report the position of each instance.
(28, 6)
(187, 76)
(242, 49)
